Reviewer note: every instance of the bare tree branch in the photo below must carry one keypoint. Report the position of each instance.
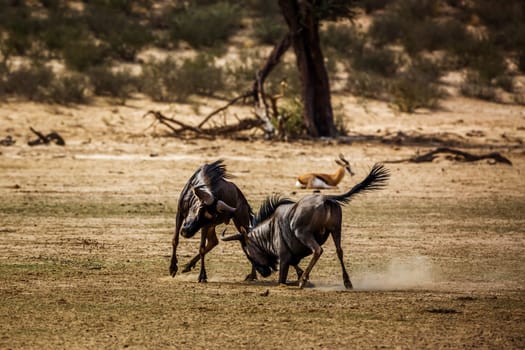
(458, 155)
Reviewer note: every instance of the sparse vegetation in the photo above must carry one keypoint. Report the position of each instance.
(168, 80)
(107, 82)
(206, 25)
(399, 58)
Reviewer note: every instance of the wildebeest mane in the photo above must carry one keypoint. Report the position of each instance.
(269, 205)
(207, 175)
(211, 174)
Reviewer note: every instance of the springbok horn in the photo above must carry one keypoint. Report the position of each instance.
(342, 157)
(345, 164)
(235, 237)
(223, 207)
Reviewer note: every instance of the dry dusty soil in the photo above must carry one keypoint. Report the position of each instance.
(437, 258)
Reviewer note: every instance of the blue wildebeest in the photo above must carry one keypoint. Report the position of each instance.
(208, 199)
(288, 231)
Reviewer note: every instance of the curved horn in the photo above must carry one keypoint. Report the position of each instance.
(204, 194)
(223, 207)
(235, 237)
(346, 164)
(342, 157)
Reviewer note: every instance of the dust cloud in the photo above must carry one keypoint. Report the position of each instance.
(400, 273)
(415, 272)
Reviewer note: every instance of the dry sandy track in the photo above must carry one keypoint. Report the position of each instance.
(437, 258)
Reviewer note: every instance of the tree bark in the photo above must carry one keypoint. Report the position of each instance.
(304, 30)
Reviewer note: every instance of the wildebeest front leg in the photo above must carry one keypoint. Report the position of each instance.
(337, 242)
(252, 276)
(211, 242)
(175, 243)
(284, 265)
(207, 235)
(173, 263)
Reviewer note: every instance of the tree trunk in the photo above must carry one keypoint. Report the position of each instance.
(304, 30)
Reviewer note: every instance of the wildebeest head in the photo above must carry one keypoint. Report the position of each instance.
(259, 243)
(199, 204)
(204, 209)
(263, 262)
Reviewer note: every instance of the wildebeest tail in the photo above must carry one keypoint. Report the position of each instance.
(375, 180)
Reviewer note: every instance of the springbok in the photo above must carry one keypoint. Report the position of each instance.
(321, 180)
(289, 231)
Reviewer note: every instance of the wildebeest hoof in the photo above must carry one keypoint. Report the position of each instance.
(173, 270)
(187, 268)
(251, 277)
(348, 285)
(203, 278)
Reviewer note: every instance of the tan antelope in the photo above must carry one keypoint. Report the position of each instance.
(319, 180)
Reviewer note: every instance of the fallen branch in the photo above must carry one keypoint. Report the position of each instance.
(218, 110)
(178, 127)
(46, 139)
(166, 121)
(457, 155)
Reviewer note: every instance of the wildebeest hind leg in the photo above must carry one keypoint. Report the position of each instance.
(317, 251)
(336, 235)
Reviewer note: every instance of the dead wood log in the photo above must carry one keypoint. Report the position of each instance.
(7, 141)
(178, 127)
(167, 121)
(455, 154)
(46, 139)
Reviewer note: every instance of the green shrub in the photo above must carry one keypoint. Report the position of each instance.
(386, 28)
(367, 85)
(70, 88)
(413, 90)
(168, 81)
(200, 76)
(268, 30)
(342, 39)
(415, 9)
(124, 35)
(477, 87)
(38, 83)
(381, 61)
(30, 81)
(158, 79)
(106, 82)
(81, 55)
(290, 123)
(263, 8)
(206, 26)
(240, 74)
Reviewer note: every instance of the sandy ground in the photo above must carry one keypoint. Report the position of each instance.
(437, 258)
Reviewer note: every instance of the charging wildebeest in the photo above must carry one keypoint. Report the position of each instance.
(208, 200)
(288, 231)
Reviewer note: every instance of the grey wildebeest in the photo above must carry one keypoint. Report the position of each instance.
(287, 232)
(208, 200)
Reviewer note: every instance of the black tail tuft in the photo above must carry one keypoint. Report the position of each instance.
(375, 180)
